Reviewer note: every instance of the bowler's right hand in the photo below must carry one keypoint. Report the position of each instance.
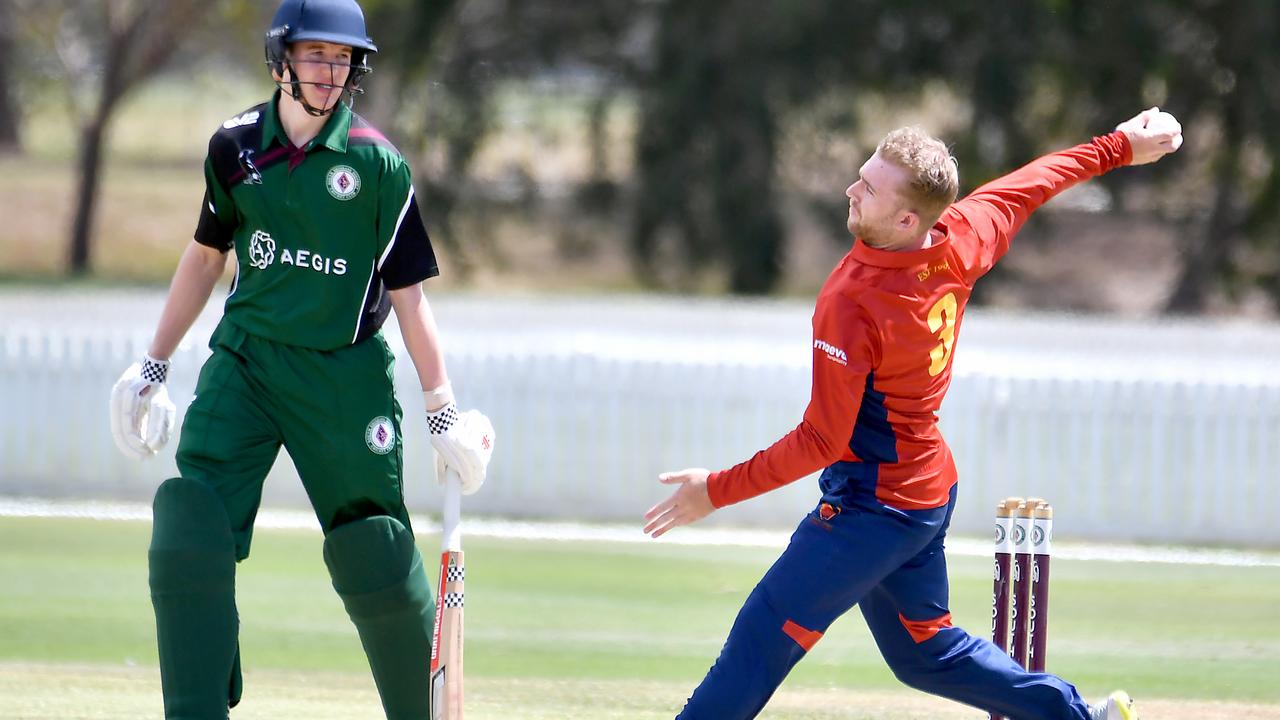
(141, 412)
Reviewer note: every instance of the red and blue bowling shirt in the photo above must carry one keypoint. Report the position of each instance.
(884, 333)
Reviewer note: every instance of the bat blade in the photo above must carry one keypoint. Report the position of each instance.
(446, 648)
(446, 641)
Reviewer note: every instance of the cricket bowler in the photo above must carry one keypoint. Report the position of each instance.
(320, 210)
(884, 335)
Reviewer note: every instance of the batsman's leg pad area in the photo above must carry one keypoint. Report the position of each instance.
(761, 649)
(193, 570)
(378, 573)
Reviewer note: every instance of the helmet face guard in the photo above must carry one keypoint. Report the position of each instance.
(340, 22)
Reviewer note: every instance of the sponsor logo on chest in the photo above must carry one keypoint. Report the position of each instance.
(262, 254)
(262, 249)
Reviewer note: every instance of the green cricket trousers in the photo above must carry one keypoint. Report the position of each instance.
(333, 411)
(336, 414)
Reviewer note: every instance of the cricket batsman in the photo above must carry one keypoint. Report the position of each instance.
(884, 334)
(320, 210)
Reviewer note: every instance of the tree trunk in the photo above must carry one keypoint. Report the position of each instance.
(91, 145)
(1207, 260)
(135, 52)
(92, 139)
(10, 120)
(750, 230)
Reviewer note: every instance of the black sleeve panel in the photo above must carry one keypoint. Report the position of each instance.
(410, 258)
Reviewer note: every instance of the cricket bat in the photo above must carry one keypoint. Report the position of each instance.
(446, 643)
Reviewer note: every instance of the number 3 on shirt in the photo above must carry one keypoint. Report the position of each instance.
(942, 320)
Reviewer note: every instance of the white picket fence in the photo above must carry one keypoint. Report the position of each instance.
(592, 398)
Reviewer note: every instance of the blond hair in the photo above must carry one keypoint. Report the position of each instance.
(935, 179)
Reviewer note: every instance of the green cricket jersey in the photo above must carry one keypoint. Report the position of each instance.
(321, 233)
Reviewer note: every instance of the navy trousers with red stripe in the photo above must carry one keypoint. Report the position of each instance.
(890, 562)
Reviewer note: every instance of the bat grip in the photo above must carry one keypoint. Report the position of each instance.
(451, 537)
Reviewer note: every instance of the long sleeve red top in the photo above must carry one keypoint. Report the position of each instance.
(884, 332)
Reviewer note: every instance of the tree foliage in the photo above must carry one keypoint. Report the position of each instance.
(716, 85)
(106, 50)
(10, 120)
(1033, 72)
(140, 38)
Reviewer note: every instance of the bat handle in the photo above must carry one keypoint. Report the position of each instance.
(451, 540)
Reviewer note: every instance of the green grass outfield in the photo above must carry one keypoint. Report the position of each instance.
(603, 630)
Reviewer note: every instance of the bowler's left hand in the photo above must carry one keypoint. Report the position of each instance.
(688, 504)
(1152, 134)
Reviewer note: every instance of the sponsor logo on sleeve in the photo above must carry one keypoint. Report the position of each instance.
(248, 118)
(833, 353)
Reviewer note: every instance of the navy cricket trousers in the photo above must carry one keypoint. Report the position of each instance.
(891, 564)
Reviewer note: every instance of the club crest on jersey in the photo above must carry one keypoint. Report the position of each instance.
(380, 435)
(262, 249)
(343, 182)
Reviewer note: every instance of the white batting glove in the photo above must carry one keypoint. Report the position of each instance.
(463, 443)
(141, 412)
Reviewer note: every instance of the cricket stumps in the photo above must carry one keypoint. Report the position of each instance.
(1020, 588)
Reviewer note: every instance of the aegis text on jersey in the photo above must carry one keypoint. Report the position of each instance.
(262, 253)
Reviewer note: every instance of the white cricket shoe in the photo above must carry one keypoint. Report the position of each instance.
(1118, 706)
